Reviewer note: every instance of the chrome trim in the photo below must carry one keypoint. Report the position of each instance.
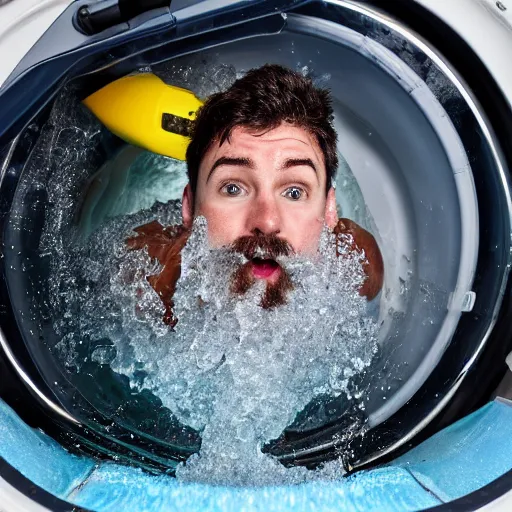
(3, 341)
(26, 379)
(7, 160)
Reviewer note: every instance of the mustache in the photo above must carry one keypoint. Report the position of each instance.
(263, 245)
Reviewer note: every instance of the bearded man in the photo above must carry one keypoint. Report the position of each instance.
(261, 166)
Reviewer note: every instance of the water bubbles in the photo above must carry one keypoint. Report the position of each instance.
(103, 354)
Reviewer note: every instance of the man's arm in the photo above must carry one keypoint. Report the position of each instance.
(373, 267)
(164, 245)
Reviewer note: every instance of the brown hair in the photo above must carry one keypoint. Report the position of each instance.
(261, 100)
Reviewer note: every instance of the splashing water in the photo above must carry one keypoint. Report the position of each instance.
(231, 370)
(263, 367)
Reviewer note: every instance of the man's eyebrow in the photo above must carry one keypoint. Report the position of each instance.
(235, 161)
(295, 162)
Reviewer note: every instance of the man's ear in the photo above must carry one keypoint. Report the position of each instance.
(187, 207)
(331, 212)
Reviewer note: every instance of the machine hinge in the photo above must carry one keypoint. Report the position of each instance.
(98, 16)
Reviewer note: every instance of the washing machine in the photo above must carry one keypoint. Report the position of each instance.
(422, 97)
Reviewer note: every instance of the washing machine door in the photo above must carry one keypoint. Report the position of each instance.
(414, 100)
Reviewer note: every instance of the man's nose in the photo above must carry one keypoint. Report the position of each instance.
(264, 216)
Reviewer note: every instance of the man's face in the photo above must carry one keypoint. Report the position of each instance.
(270, 183)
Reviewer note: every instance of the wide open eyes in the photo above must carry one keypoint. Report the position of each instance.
(231, 189)
(294, 193)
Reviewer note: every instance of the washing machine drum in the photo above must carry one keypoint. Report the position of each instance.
(424, 158)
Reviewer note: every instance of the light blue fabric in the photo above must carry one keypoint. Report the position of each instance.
(38, 457)
(465, 456)
(454, 462)
(113, 488)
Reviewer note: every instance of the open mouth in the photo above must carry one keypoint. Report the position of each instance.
(263, 268)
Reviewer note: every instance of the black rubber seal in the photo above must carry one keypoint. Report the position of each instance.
(23, 485)
(478, 499)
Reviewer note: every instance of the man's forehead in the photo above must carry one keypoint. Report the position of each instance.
(284, 137)
(285, 132)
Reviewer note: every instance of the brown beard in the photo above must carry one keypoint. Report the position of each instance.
(243, 278)
(276, 294)
(165, 245)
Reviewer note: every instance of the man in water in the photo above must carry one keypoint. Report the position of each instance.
(261, 165)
